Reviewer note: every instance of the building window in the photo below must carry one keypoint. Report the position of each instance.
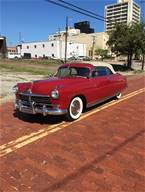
(52, 44)
(35, 56)
(43, 45)
(27, 47)
(35, 46)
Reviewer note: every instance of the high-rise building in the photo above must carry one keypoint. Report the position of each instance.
(124, 11)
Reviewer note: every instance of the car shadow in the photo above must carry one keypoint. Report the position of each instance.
(38, 118)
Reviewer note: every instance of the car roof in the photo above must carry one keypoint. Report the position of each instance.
(101, 64)
(89, 64)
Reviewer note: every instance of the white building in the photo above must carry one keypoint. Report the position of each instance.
(92, 41)
(53, 49)
(124, 11)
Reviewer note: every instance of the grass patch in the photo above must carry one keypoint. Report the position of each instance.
(34, 67)
(49, 62)
(32, 70)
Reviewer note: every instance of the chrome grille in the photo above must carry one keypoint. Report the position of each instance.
(36, 98)
(24, 97)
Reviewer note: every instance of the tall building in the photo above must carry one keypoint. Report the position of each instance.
(124, 11)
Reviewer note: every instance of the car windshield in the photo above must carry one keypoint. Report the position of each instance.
(73, 71)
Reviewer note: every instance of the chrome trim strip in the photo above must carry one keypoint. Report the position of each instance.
(99, 101)
(41, 104)
(35, 95)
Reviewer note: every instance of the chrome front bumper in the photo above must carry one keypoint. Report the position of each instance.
(32, 109)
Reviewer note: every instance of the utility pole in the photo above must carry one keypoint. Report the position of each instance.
(19, 37)
(59, 37)
(20, 43)
(66, 35)
(93, 46)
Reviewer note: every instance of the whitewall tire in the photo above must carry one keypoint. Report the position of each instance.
(75, 109)
(118, 95)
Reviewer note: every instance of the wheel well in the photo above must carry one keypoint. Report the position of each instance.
(83, 99)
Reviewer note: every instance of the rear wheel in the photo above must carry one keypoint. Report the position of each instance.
(118, 95)
(75, 109)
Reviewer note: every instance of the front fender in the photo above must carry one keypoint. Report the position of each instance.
(65, 98)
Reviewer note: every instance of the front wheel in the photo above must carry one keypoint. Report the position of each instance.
(118, 95)
(75, 109)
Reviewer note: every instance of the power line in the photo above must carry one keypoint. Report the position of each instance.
(72, 5)
(72, 9)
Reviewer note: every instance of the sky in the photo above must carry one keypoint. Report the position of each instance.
(36, 19)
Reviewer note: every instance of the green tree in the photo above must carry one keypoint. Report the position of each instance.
(102, 52)
(127, 40)
(141, 42)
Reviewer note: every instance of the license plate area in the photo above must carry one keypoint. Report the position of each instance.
(26, 110)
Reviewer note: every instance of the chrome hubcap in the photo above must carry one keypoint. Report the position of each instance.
(75, 107)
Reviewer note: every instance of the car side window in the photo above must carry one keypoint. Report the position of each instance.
(73, 71)
(108, 71)
(101, 71)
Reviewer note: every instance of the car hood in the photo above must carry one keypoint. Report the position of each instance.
(45, 86)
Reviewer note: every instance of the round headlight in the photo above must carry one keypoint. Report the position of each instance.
(15, 89)
(55, 94)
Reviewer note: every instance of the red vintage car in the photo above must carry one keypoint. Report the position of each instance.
(74, 87)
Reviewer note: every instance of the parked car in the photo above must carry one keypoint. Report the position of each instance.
(74, 87)
(72, 58)
(83, 58)
(14, 55)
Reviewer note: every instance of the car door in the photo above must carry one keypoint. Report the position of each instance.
(101, 83)
(111, 78)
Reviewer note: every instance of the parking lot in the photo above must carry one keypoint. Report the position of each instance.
(103, 151)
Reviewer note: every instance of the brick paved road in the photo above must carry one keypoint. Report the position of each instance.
(101, 153)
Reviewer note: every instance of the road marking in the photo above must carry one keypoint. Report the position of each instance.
(27, 139)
